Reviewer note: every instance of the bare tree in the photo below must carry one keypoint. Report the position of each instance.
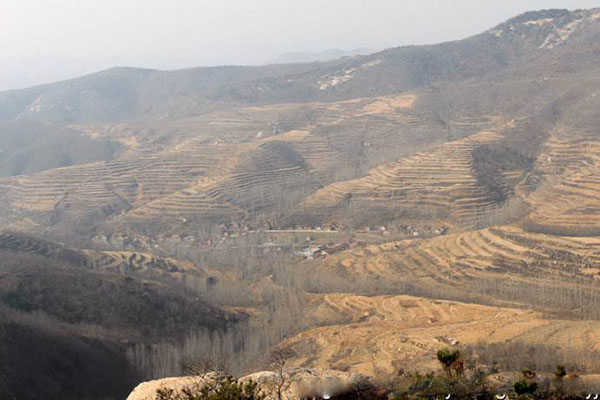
(283, 380)
(203, 366)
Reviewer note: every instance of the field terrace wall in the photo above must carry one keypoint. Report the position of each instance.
(440, 183)
(568, 202)
(243, 165)
(385, 335)
(501, 265)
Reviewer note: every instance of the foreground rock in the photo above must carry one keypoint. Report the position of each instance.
(303, 383)
(148, 390)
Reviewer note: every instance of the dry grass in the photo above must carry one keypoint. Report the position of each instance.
(245, 163)
(383, 334)
(569, 202)
(439, 183)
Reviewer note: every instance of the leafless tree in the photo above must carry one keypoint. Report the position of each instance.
(283, 380)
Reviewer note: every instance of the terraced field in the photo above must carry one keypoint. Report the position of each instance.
(547, 262)
(371, 161)
(569, 202)
(122, 262)
(384, 334)
(20, 243)
(409, 311)
(124, 182)
(252, 164)
(390, 204)
(440, 183)
(500, 265)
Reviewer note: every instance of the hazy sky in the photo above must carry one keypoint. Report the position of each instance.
(48, 40)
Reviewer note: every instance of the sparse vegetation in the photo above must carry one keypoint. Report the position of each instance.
(357, 213)
(225, 388)
(457, 380)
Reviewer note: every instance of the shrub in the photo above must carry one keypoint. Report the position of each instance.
(524, 387)
(560, 372)
(226, 388)
(447, 357)
(451, 360)
(430, 385)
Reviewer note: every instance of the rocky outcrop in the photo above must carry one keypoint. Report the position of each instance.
(148, 390)
(302, 383)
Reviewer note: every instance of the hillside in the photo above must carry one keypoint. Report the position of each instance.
(379, 336)
(70, 318)
(128, 93)
(309, 162)
(325, 55)
(29, 147)
(362, 212)
(39, 357)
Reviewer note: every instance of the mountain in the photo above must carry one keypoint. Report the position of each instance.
(325, 55)
(527, 41)
(224, 212)
(484, 105)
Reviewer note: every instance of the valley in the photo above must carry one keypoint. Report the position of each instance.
(360, 214)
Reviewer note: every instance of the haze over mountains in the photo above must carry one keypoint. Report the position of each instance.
(125, 93)
(330, 204)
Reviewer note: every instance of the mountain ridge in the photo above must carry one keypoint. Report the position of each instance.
(144, 93)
